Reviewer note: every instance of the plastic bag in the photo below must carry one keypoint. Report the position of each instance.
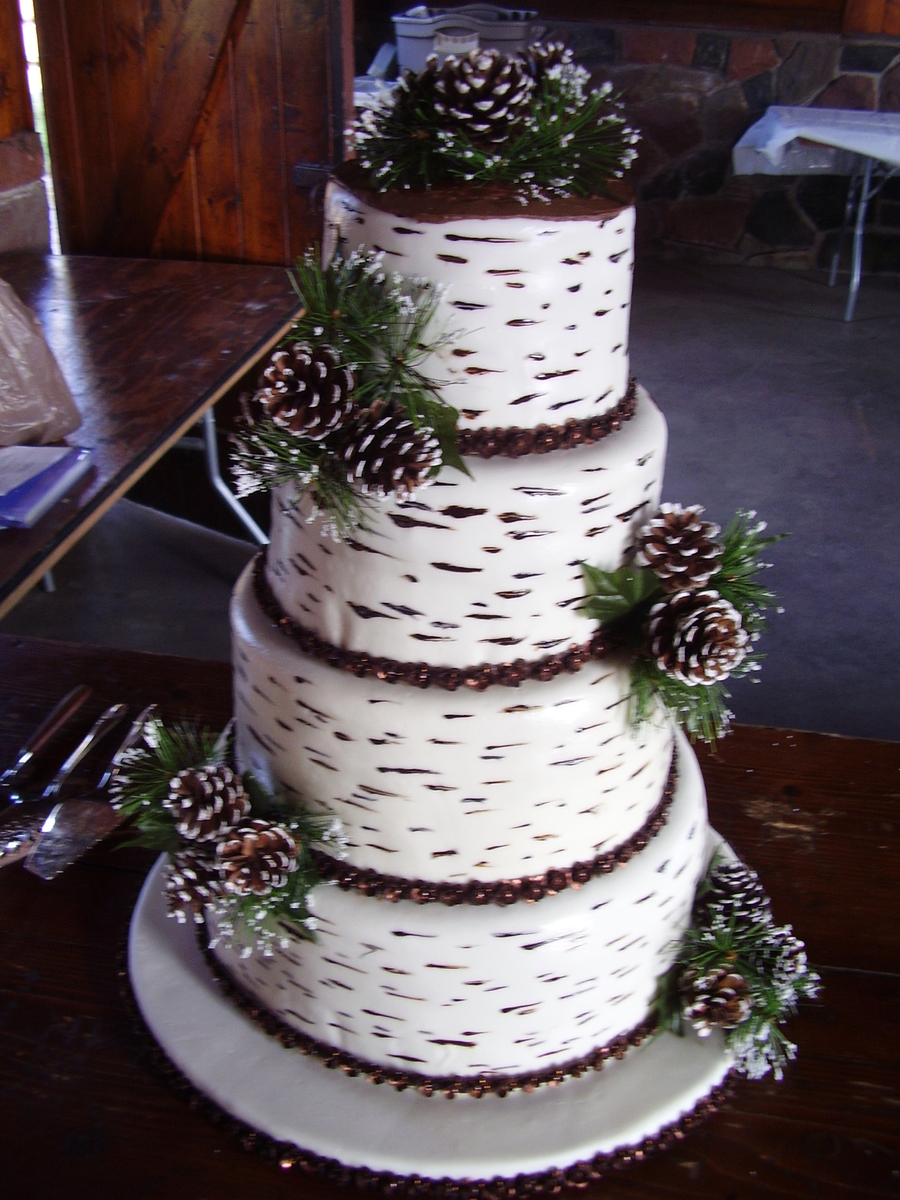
(35, 402)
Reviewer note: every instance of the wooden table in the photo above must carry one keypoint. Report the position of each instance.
(86, 1115)
(146, 347)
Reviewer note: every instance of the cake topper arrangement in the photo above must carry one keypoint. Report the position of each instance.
(343, 411)
(529, 122)
(694, 610)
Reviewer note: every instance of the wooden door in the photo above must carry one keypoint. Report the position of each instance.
(175, 125)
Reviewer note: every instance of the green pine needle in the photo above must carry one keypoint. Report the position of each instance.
(742, 546)
(700, 710)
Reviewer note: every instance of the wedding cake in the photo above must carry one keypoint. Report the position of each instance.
(464, 657)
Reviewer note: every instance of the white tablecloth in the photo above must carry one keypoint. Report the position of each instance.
(876, 135)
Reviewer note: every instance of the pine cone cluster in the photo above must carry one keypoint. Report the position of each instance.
(484, 94)
(256, 859)
(734, 897)
(382, 452)
(541, 59)
(306, 390)
(192, 883)
(679, 548)
(206, 802)
(696, 636)
(718, 999)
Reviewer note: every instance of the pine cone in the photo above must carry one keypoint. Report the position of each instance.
(734, 894)
(306, 390)
(679, 548)
(540, 59)
(696, 636)
(484, 93)
(206, 802)
(192, 883)
(383, 452)
(718, 999)
(258, 858)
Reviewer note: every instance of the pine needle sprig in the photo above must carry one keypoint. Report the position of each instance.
(701, 711)
(571, 142)
(742, 546)
(770, 961)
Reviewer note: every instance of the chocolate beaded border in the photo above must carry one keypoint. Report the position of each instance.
(288, 1156)
(423, 675)
(425, 1085)
(501, 891)
(542, 439)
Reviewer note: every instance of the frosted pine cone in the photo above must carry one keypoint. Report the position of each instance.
(385, 453)
(206, 802)
(719, 999)
(734, 895)
(485, 94)
(306, 390)
(679, 548)
(540, 59)
(193, 883)
(258, 858)
(696, 637)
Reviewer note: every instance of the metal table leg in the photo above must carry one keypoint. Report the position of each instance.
(865, 195)
(852, 193)
(215, 478)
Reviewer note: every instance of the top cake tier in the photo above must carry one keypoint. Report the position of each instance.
(539, 295)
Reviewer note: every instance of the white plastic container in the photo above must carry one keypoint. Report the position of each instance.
(423, 30)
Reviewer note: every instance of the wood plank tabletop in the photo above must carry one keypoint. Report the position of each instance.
(145, 345)
(87, 1114)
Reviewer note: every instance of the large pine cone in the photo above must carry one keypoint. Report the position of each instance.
(485, 94)
(258, 858)
(696, 636)
(383, 452)
(192, 884)
(734, 894)
(719, 999)
(206, 802)
(306, 390)
(679, 548)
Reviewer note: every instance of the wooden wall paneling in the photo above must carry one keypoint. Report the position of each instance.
(87, 45)
(15, 101)
(256, 118)
(63, 129)
(146, 183)
(128, 78)
(872, 16)
(218, 172)
(309, 131)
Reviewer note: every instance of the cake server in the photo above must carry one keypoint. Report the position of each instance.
(72, 827)
(21, 822)
(42, 736)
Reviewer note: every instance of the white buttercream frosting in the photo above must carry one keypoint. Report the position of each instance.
(541, 305)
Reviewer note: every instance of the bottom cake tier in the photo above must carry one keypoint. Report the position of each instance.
(441, 993)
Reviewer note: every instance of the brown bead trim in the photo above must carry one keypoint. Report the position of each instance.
(287, 1156)
(500, 891)
(422, 674)
(426, 1085)
(542, 439)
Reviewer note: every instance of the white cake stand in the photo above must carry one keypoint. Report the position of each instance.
(294, 1100)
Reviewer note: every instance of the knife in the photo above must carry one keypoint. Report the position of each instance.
(73, 827)
(42, 736)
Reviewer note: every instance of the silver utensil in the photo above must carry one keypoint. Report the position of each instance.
(73, 827)
(42, 736)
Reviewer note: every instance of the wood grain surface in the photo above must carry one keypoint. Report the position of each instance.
(145, 347)
(86, 1114)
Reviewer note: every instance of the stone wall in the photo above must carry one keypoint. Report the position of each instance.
(24, 219)
(693, 93)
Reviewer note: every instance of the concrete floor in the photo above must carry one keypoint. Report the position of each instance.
(773, 403)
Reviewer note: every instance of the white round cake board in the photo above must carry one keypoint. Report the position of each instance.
(293, 1098)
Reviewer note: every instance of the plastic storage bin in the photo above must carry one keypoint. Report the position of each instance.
(422, 31)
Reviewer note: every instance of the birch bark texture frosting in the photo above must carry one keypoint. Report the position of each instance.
(542, 304)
